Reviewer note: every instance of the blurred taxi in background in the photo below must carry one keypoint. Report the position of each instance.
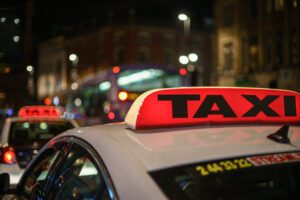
(183, 143)
(24, 135)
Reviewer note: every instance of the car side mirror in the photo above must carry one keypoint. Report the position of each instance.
(4, 183)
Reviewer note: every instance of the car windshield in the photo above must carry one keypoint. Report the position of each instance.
(232, 179)
(36, 131)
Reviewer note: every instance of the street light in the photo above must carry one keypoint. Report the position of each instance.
(73, 57)
(182, 17)
(187, 25)
(29, 68)
(74, 71)
(74, 86)
(196, 72)
(183, 60)
(193, 57)
(30, 81)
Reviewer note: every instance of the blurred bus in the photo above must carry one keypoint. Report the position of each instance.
(106, 96)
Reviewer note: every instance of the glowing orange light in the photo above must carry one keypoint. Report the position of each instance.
(9, 157)
(116, 69)
(123, 95)
(47, 101)
(182, 71)
(111, 115)
(7, 70)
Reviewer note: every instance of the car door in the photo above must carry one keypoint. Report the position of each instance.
(33, 182)
(81, 176)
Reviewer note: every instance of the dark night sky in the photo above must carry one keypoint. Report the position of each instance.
(56, 9)
(53, 17)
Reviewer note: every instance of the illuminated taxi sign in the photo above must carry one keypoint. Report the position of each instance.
(39, 111)
(213, 105)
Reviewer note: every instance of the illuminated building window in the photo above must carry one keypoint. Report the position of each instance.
(279, 4)
(16, 20)
(3, 19)
(228, 56)
(253, 52)
(2, 95)
(295, 3)
(16, 38)
(57, 69)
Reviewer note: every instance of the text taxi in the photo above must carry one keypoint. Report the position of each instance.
(24, 135)
(181, 143)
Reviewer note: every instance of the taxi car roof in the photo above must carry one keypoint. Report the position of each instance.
(163, 148)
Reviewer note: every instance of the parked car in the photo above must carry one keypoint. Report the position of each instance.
(23, 136)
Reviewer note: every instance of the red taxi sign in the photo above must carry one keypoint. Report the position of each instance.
(39, 111)
(176, 107)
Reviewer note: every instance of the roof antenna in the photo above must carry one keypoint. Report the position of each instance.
(281, 136)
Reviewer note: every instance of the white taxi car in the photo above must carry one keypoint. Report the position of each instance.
(24, 135)
(183, 143)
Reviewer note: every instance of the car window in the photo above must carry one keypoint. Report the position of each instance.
(235, 178)
(36, 131)
(78, 178)
(35, 179)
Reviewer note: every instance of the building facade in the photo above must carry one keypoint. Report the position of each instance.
(82, 55)
(13, 74)
(258, 43)
(53, 73)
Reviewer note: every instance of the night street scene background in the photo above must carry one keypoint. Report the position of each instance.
(93, 58)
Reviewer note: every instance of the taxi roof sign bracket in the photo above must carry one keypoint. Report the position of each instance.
(192, 106)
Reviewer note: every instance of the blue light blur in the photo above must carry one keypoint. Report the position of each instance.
(9, 112)
(111, 194)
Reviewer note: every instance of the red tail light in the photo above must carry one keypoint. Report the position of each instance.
(182, 71)
(111, 115)
(7, 155)
(116, 69)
